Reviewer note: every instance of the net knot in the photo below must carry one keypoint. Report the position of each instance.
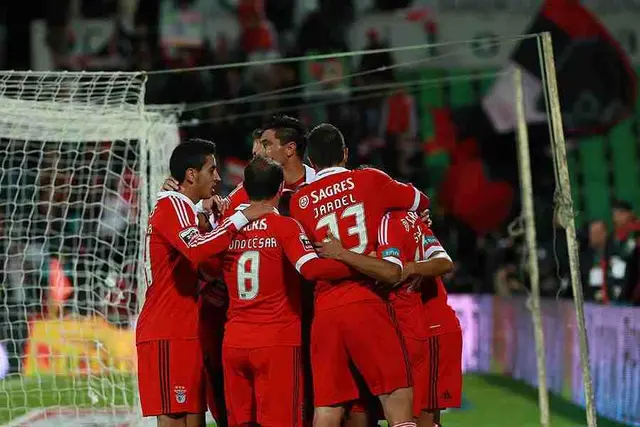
(516, 227)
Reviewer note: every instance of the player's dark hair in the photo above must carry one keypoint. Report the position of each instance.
(325, 146)
(191, 154)
(263, 178)
(257, 133)
(288, 129)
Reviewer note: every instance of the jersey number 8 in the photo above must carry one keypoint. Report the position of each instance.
(248, 277)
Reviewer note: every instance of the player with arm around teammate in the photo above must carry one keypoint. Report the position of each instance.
(430, 327)
(261, 348)
(352, 325)
(170, 371)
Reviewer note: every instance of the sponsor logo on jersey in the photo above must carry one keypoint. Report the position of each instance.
(181, 394)
(430, 240)
(303, 202)
(391, 252)
(306, 243)
(188, 235)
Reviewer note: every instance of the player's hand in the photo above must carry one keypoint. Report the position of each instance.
(407, 271)
(425, 216)
(330, 247)
(257, 210)
(170, 184)
(204, 225)
(215, 204)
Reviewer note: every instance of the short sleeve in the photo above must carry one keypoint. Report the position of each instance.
(432, 247)
(295, 243)
(390, 240)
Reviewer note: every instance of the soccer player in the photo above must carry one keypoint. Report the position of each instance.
(261, 348)
(352, 324)
(429, 325)
(282, 139)
(170, 370)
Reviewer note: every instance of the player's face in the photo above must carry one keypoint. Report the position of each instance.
(274, 148)
(208, 178)
(258, 148)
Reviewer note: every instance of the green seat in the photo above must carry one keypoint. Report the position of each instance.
(573, 162)
(430, 95)
(596, 191)
(626, 171)
(462, 90)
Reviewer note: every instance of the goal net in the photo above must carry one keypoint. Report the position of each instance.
(81, 161)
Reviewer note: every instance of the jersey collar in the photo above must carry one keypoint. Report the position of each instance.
(243, 206)
(309, 174)
(163, 194)
(330, 171)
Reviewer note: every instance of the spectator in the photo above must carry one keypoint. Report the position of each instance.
(599, 285)
(627, 246)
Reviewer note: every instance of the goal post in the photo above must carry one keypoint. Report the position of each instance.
(82, 159)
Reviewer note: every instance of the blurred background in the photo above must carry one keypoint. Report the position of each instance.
(433, 115)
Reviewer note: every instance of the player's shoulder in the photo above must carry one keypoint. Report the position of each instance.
(370, 172)
(175, 204)
(283, 222)
(237, 193)
(300, 198)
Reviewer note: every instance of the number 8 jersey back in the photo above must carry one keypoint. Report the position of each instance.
(350, 205)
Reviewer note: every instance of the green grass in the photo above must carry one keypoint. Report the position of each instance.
(490, 400)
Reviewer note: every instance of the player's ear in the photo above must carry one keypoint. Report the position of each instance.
(290, 149)
(190, 176)
(345, 155)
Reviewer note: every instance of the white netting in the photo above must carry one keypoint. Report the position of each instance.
(78, 152)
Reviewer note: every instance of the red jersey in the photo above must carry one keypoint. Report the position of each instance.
(174, 248)
(261, 270)
(420, 303)
(350, 204)
(239, 195)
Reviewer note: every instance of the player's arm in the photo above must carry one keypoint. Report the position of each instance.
(387, 267)
(396, 195)
(299, 250)
(436, 262)
(181, 230)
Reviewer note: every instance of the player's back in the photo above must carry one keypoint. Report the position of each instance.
(170, 309)
(264, 287)
(350, 205)
(400, 235)
(440, 318)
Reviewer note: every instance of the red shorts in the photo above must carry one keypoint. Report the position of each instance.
(171, 377)
(211, 327)
(361, 334)
(438, 379)
(263, 385)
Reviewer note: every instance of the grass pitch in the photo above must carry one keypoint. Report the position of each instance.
(491, 401)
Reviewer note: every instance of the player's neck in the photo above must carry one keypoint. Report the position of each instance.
(294, 172)
(190, 193)
(339, 165)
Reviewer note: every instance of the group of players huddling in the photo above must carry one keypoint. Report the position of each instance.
(227, 280)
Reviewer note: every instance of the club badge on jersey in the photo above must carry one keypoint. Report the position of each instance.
(188, 235)
(181, 394)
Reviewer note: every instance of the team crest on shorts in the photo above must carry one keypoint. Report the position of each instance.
(303, 202)
(181, 394)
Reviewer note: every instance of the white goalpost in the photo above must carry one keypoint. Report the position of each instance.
(81, 161)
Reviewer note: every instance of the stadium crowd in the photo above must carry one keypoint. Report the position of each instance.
(379, 129)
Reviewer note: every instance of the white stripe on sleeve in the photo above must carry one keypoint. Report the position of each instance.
(304, 259)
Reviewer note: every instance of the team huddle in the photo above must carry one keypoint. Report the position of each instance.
(306, 288)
